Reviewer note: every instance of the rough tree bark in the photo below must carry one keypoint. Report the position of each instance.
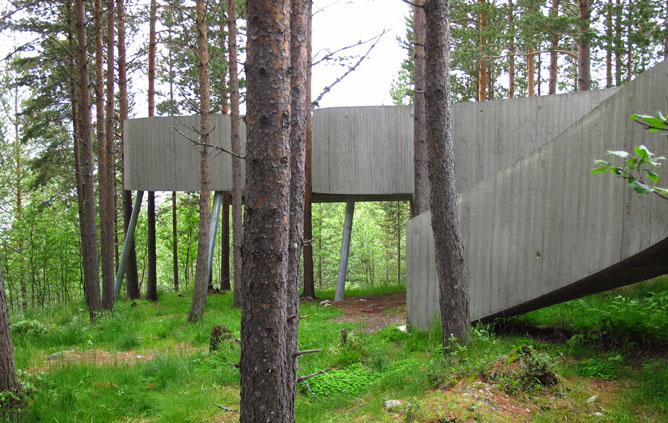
(453, 286)
(108, 197)
(152, 283)
(298, 109)
(237, 232)
(554, 46)
(132, 280)
(264, 390)
(8, 380)
(511, 48)
(420, 172)
(201, 271)
(88, 230)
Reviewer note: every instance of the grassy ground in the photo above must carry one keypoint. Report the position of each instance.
(144, 363)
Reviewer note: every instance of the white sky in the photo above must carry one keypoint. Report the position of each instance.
(345, 22)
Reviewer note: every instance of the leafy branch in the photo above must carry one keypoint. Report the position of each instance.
(640, 165)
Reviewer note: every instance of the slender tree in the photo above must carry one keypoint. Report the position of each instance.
(583, 43)
(132, 280)
(108, 197)
(309, 282)
(298, 111)
(236, 148)
(152, 283)
(264, 390)
(420, 171)
(201, 271)
(453, 285)
(88, 231)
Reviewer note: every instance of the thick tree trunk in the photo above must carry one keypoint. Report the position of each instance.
(201, 271)
(309, 282)
(298, 111)
(453, 286)
(152, 283)
(584, 48)
(237, 232)
(108, 179)
(88, 231)
(8, 380)
(264, 388)
(225, 244)
(420, 172)
(132, 280)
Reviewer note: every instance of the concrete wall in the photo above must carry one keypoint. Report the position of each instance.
(543, 229)
(366, 152)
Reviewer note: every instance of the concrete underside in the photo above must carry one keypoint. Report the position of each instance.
(538, 228)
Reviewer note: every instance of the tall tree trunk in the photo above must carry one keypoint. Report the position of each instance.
(132, 279)
(453, 285)
(175, 243)
(554, 46)
(152, 283)
(629, 41)
(108, 180)
(88, 231)
(482, 67)
(619, 48)
(309, 282)
(225, 244)
(584, 48)
(665, 40)
(202, 269)
(264, 387)
(511, 65)
(608, 45)
(298, 111)
(235, 140)
(420, 172)
(531, 72)
(8, 380)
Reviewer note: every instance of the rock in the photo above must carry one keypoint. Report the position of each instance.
(327, 305)
(59, 354)
(325, 302)
(592, 400)
(403, 328)
(597, 414)
(390, 404)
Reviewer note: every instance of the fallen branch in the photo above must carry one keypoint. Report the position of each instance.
(229, 410)
(303, 378)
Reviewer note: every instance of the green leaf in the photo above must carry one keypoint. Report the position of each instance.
(599, 170)
(619, 153)
(656, 123)
(643, 152)
(601, 163)
(639, 187)
(662, 191)
(653, 176)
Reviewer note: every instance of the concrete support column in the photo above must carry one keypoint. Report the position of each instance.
(127, 244)
(213, 229)
(345, 249)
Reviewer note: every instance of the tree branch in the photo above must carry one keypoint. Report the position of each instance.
(314, 104)
(303, 378)
(298, 353)
(229, 410)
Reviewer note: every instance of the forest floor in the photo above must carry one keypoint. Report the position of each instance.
(598, 359)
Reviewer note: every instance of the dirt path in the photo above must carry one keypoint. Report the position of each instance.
(374, 311)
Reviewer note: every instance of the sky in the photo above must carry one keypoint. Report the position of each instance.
(339, 23)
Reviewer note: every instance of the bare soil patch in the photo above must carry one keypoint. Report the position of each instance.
(373, 311)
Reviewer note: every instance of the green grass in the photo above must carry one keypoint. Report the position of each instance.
(182, 380)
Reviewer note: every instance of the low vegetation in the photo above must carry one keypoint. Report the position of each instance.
(598, 359)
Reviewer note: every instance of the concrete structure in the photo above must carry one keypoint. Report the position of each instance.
(543, 229)
(538, 228)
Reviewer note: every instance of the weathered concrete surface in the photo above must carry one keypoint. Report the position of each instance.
(544, 230)
(366, 152)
